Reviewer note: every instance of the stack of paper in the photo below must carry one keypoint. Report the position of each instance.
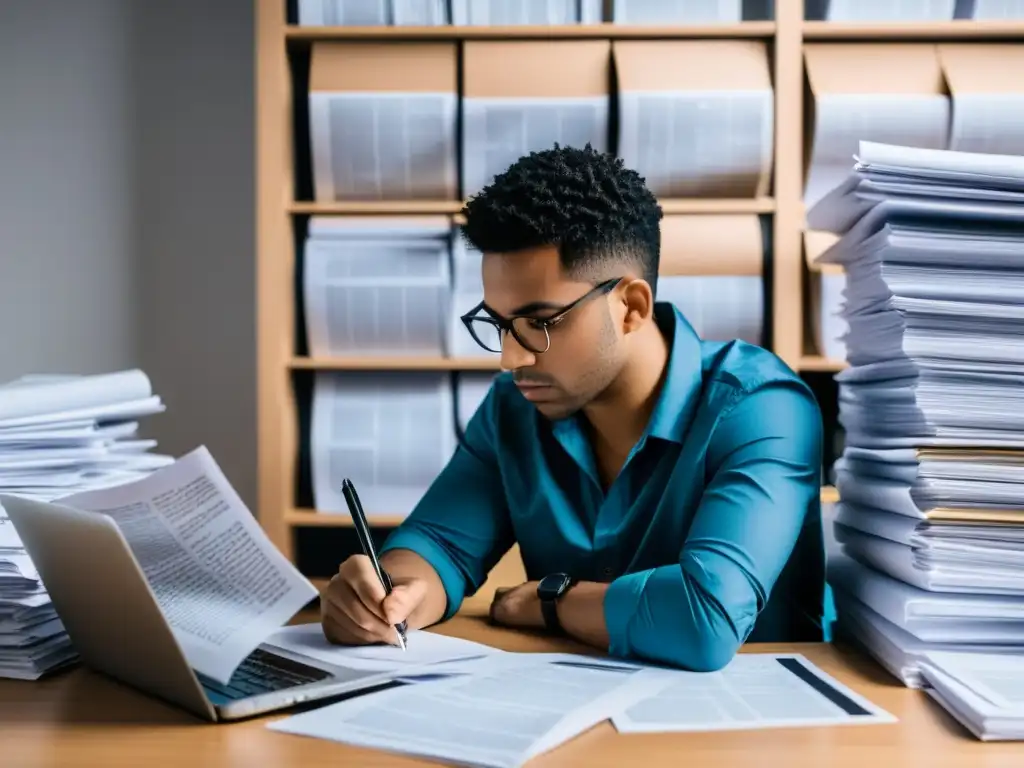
(880, 10)
(390, 432)
(377, 286)
(931, 479)
(60, 435)
(673, 12)
(372, 13)
(990, 10)
(984, 692)
(507, 13)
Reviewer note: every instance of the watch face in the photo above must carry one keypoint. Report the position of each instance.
(553, 585)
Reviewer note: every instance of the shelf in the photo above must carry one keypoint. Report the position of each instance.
(754, 29)
(452, 207)
(382, 363)
(310, 518)
(936, 30)
(823, 364)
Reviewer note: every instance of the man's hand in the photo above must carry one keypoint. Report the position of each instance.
(354, 609)
(517, 606)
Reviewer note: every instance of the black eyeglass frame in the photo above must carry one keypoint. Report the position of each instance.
(507, 324)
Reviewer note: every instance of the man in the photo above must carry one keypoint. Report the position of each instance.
(663, 490)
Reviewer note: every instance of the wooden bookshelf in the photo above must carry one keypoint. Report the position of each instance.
(747, 29)
(280, 209)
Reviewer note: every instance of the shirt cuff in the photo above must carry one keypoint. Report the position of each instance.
(424, 546)
(621, 600)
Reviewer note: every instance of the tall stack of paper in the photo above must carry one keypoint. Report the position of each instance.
(372, 13)
(377, 285)
(60, 435)
(883, 92)
(825, 297)
(711, 270)
(382, 120)
(507, 13)
(990, 10)
(524, 96)
(931, 480)
(390, 432)
(879, 10)
(988, 97)
(696, 116)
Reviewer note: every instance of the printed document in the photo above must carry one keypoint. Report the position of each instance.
(503, 715)
(424, 648)
(221, 584)
(752, 691)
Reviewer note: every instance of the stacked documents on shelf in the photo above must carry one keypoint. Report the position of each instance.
(382, 120)
(984, 692)
(696, 116)
(390, 432)
(471, 387)
(372, 13)
(879, 10)
(990, 10)
(653, 12)
(466, 292)
(60, 435)
(931, 480)
(377, 286)
(503, 13)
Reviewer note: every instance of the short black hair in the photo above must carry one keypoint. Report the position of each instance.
(587, 203)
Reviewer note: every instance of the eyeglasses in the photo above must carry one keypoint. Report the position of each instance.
(532, 333)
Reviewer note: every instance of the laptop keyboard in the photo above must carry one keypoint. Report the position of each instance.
(263, 672)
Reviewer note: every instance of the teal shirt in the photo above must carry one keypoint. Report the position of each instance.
(710, 536)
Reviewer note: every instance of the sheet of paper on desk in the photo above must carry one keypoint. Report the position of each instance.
(752, 691)
(220, 582)
(424, 649)
(984, 692)
(512, 709)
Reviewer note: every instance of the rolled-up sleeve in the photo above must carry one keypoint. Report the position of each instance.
(461, 526)
(696, 614)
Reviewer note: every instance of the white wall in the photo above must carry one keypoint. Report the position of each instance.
(126, 207)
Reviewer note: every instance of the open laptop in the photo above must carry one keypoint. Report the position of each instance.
(114, 622)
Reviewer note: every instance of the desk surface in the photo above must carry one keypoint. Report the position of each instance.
(79, 718)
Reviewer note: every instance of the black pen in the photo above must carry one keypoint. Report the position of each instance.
(348, 490)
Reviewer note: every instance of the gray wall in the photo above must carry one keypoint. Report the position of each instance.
(126, 207)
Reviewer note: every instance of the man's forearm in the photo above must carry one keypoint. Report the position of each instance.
(404, 564)
(581, 614)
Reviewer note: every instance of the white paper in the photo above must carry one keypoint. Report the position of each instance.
(880, 10)
(423, 649)
(471, 388)
(641, 12)
(990, 10)
(391, 433)
(343, 13)
(752, 691)
(467, 292)
(383, 146)
(698, 143)
(506, 13)
(221, 584)
(844, 120)
(982, 691)
(719, 307)
(38, 396)
(988, 122)
(501, 717)
(377, 294)
(498, 131)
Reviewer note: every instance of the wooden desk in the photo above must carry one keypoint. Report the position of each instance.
(82, 719)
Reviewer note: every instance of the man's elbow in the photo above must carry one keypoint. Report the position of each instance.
(714, 649)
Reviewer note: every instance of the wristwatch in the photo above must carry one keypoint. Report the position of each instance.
(549, 590)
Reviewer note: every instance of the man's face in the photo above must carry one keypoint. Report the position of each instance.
(585, 352)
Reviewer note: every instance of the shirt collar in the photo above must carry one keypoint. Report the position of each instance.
(680, 389)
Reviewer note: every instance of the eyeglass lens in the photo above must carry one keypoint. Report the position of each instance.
(532, 335)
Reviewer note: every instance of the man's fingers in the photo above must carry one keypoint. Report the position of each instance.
(343, 632)
(342, 607)
(358, 573)
(403, 600)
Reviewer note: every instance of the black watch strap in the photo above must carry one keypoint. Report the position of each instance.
(550, 590)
